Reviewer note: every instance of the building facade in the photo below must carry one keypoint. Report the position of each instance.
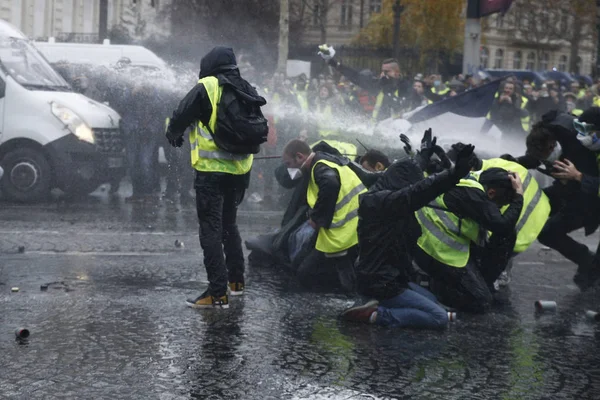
(343, 19)
(533, 42)
(72, 20)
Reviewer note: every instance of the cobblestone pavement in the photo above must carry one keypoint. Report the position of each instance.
(112, 323)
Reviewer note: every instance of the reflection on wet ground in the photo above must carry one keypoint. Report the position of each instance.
(114, 325)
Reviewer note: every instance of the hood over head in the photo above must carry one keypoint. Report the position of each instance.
(218, 60)
(399, 175)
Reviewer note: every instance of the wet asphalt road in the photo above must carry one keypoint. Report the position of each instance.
(114, 326)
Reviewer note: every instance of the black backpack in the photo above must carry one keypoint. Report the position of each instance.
(241, 126)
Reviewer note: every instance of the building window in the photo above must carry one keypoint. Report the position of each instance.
(374, 6)
(530, 61)
(564, 22)
(483, 58)
(346, 9)
(517, 56)
(544, 62)
(499, 59)
(562, 63)
(499, 21)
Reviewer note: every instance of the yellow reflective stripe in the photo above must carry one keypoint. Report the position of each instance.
(444, 217)
(530, 207)
(347, 198)
(441, 236)
(221, 155)
(348, 217)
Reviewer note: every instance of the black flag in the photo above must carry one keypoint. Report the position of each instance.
(474, 103)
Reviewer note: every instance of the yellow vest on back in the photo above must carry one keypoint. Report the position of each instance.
(206, 156)
(446, 237)
(536, 206)
(341, 234)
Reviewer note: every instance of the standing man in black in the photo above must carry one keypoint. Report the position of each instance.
(221, 176)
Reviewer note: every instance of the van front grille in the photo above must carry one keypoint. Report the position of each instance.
(109, 140)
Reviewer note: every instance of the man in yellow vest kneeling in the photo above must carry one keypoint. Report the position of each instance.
(452, 248)
(332, 195)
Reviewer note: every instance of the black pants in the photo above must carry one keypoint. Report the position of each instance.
(555, 235)
(462, 288)
(217, 199)
(317, 271)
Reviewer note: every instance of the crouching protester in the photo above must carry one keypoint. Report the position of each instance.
(283, 246)
(534, 213)
(565, 147)
(332, 198)
(454, 249)
(386, 226)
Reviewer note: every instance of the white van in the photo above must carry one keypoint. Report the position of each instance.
(50, 137)
(100, 54)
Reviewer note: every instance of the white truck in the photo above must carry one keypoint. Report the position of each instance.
(50, 137)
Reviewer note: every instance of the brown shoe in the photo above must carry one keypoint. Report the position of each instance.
(362, 313)
(207, 301)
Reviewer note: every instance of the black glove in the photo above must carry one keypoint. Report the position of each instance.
(427, 145)
(508, 157)
(464, 161)
(444, 160)
(177, 142)
(407, 144)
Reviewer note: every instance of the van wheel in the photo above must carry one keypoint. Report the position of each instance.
(27, 175)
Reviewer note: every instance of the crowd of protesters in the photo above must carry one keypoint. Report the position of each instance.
(303, 107)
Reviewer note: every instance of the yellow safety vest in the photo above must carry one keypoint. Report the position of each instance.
(441, 92)
(524, 121)
(347, 149)
(536, 206)
(341, 234)
(379, 102)
(446, 237)
(206, 156)
(576, 112)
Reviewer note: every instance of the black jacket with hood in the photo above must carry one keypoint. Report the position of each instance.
(387, 226)
(581, 196)
(195, 106)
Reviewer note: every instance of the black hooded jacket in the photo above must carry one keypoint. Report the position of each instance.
(387, 226)
(195, 106)
(581, 196)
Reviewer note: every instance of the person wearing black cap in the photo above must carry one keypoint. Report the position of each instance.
(452, 248)
(566, 148)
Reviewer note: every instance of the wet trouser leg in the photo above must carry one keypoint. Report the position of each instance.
(496, 257)
(415, 307)
(216, 204)
(555, 235)
(232, 241)
(318, 271)
(461, 288)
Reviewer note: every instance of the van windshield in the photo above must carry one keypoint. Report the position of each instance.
(26, 66)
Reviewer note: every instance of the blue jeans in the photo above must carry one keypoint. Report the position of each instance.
(416, 307)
